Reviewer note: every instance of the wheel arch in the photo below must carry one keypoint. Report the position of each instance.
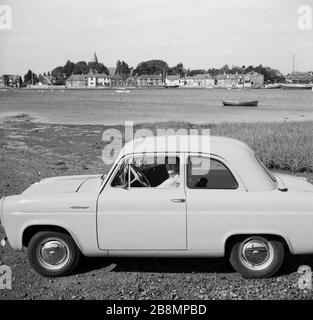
(31, 230)
(235, 237)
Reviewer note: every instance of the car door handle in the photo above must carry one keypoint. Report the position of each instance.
(178, 200)
(78, 207)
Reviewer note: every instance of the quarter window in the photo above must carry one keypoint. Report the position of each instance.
(208, 173)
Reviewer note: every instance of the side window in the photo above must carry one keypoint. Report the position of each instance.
(160, 171)
(207, 173)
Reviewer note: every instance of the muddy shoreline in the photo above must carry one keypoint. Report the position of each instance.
(32, 151)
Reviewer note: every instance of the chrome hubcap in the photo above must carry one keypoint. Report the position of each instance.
(53, 253)
(256, 254)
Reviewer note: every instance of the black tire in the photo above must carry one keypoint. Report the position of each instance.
(38, 257)
(251, 262)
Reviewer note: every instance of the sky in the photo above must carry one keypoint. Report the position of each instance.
(200, 33)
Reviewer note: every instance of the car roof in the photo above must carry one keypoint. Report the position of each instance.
(236, 153)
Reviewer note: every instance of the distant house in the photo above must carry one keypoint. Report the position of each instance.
(172, 80)
(254, 79)
(251, 79)
(229, 80)
(97, 79)
(10, 80)
(153, 80)
(199, 80)
(188, 81)
(76, 81)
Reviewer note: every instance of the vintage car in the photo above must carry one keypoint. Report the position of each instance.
(166, 200)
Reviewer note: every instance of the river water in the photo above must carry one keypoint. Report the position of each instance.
(108, 107)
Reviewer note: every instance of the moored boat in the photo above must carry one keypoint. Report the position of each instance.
(296, 86)
(122, 90)
(6, 89)
(170, 86)
(272, 86)
(253, 103)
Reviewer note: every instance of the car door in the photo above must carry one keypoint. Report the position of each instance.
(214, 195)
(141, 217)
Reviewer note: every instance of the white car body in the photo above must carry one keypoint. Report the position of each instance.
(114, 221)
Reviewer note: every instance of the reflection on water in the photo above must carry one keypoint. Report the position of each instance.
(191, 105)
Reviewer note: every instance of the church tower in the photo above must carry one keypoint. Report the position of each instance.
(95, 59)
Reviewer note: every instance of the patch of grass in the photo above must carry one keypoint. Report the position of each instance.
(283, 146)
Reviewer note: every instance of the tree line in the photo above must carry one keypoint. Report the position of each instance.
(149, 67)
(161, 67)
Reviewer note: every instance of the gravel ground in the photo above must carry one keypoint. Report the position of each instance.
(32, 151)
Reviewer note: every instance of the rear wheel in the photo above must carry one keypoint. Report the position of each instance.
(257, 256)
(53, 254)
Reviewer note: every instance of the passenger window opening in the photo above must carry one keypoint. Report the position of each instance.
(209, 173)
(161, 171)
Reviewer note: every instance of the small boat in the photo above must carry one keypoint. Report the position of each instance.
(296, 86)
(122, 91)
(5, 90)
(237, 86)
(253, 103)
(272, 86)
(170, 86)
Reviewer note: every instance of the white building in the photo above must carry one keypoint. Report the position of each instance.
(199, 80)
(97, 79)
(172, 80)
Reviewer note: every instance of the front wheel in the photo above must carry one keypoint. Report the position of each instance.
(257, 256)
(53, 254)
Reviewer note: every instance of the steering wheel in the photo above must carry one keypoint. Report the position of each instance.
(139, 176)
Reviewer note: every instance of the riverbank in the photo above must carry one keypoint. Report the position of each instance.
(32, 151)
(64, 87)
(75, 88)
(280, 146)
